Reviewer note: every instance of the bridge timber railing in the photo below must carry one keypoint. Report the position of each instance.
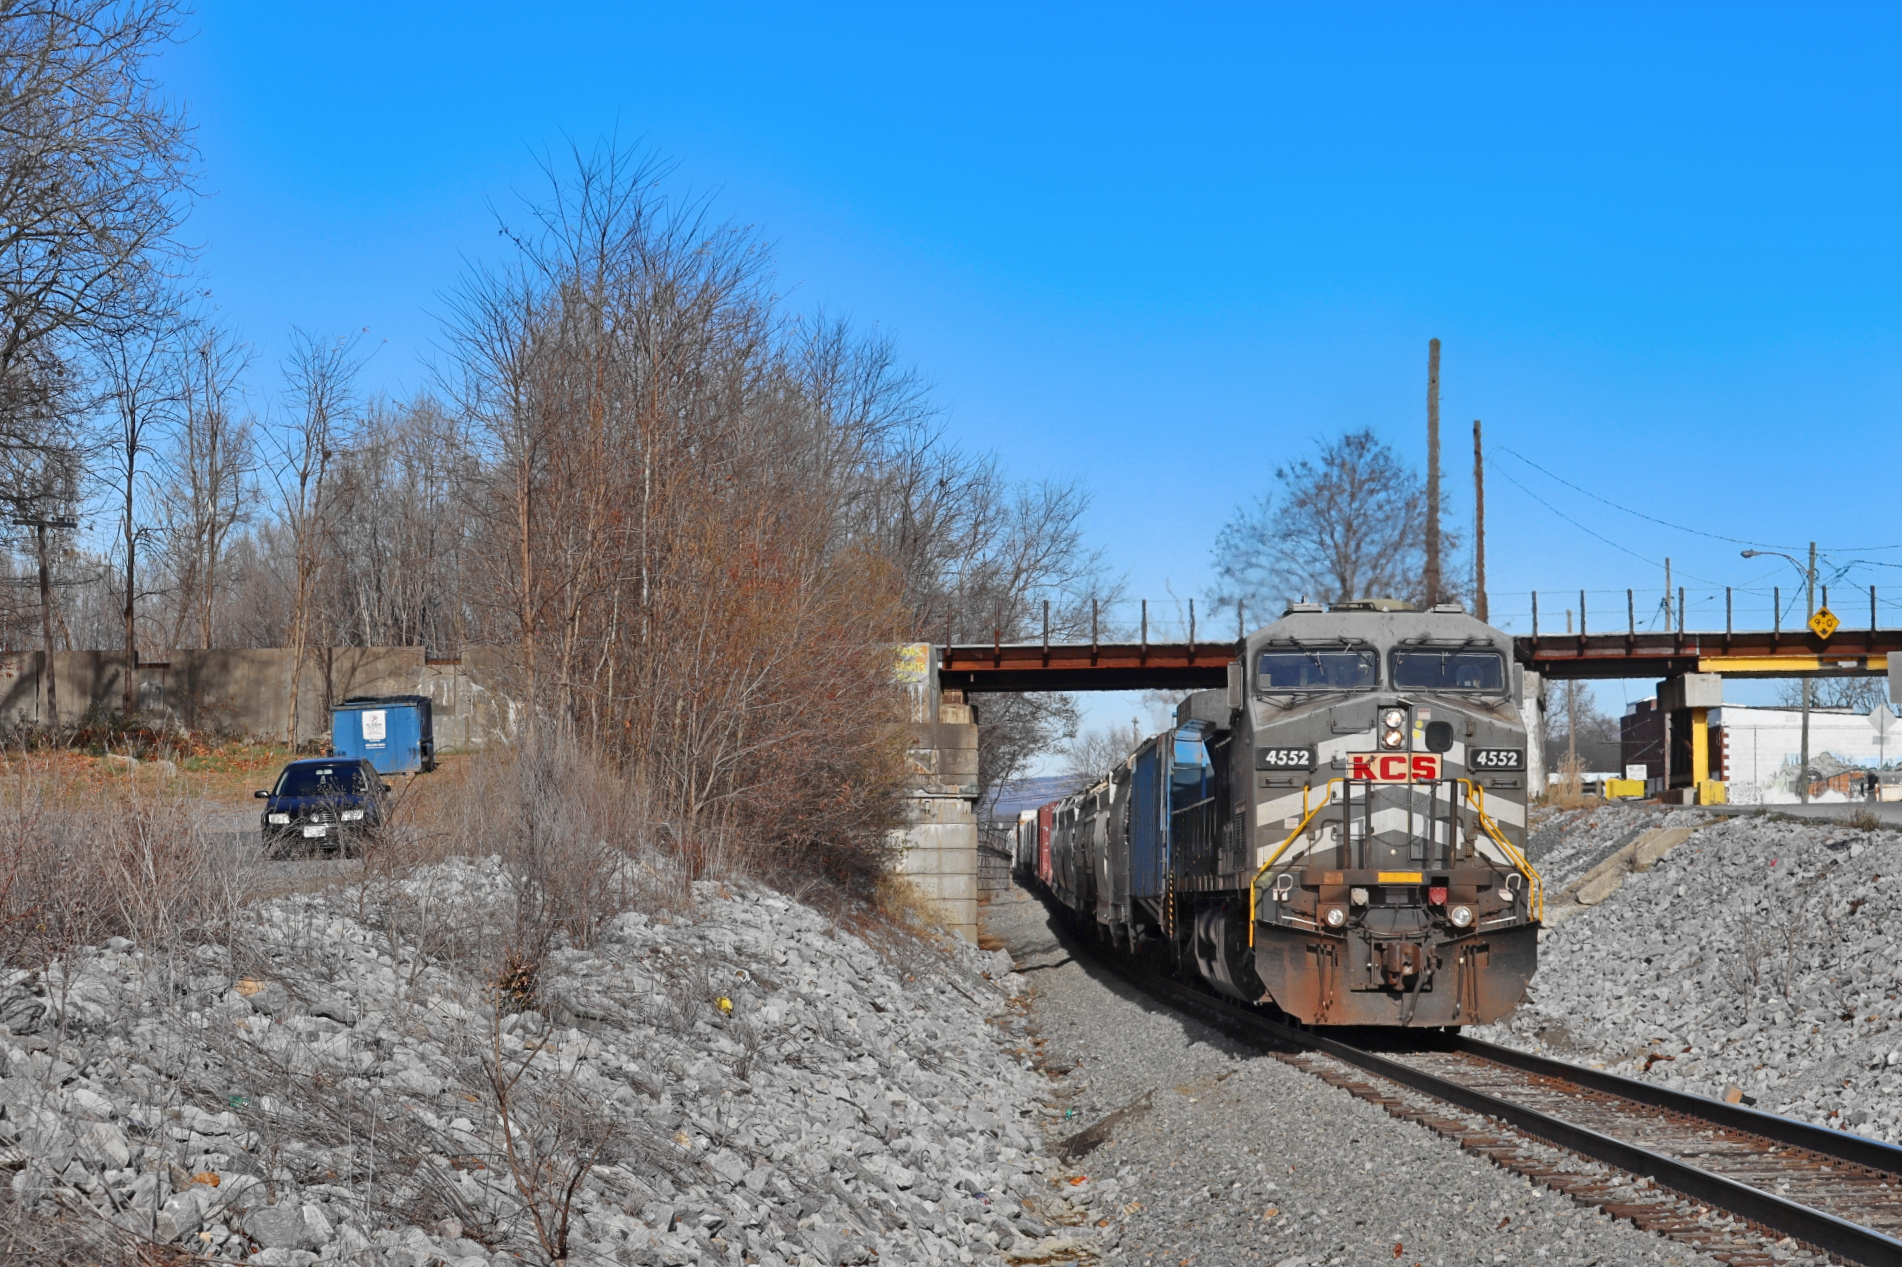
(1134, 666)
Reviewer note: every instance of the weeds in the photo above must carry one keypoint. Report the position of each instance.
(477, 1008)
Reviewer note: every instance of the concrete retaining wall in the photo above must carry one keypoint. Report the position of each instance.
(993, 866)
(248, 692)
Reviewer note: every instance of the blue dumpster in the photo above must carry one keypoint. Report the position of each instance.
(394, 733)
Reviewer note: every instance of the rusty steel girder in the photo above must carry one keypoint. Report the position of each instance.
(1124, 666)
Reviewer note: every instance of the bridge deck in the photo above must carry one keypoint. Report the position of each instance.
(1130, 666)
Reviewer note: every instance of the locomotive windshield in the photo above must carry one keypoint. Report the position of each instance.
(1335, 669)
(1443, 669)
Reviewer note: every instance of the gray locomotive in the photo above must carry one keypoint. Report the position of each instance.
(1340, 833)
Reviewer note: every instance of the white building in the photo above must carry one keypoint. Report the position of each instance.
(1760, 749)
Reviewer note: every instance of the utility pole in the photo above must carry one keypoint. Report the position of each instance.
(40, 525)
(1571, 721)
(1433, 473)
(1809, 582)
(1667, 593)
(1479, 527)
(1803, 777)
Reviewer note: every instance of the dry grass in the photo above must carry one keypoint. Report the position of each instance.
(86, 854)
(84, 859)
(1557, 798)
(907, 907)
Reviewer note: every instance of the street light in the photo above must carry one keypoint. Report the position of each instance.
(1809, 576)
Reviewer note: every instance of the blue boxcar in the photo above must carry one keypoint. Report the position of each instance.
(1149, 818)
(1171, 775)
(394, 733)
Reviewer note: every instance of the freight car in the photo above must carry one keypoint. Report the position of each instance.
(1340, 833)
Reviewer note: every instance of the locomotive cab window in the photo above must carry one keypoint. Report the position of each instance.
(1335, 669)
(1444, 669)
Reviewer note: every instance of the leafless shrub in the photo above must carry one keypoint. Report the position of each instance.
(111, 858)
(1743, 967)
(31, 1238)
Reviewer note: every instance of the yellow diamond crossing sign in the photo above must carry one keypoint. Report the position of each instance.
(1824, 623)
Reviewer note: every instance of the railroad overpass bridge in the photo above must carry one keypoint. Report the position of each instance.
(1187, 666)
(1688, 666)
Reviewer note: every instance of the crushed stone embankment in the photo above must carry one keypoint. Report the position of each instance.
(1761, 952)
(1224, 1155)
(745, 1081)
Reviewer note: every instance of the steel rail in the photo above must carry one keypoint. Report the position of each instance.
(1822, 1230)
(1842, 1145)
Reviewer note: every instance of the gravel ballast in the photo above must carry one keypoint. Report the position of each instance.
(1761, 952)
(740, 1081)
(1226, 1155)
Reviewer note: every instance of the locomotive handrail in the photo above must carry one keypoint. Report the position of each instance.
(1306, 818)
(1518, 859)
(1474, 794)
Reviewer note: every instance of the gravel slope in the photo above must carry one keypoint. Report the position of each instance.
(743, 1081)
(1763, 952)
(1242, 1159)
(1565, 844)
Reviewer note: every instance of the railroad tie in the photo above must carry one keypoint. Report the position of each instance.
(1658, 1210)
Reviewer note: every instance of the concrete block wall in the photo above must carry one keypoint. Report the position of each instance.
(994, 860)
(937, 852)
(248, 691)
(937, 844)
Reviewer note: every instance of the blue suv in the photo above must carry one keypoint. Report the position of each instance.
(322, 805)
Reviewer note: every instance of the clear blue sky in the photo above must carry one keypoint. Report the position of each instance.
(1156, 251)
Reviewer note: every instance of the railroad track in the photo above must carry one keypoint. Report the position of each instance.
(1738, 1184)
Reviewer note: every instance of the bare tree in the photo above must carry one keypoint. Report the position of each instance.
(402, 535)
(1098, 750)
(94, 174)
(1346, 524)
(1858, 694)
(46, 501)
(141, 392)
(320, 379)
(984, 558)
(94, 170)
(208, 467)
(1576, 722)
(665, 482)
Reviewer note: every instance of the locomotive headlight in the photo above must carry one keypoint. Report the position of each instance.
(1393, 718)
(1358, 897)
(1461, 916)
(1392, 739)
(1334, 916)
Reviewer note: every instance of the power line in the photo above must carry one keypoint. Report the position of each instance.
(1575, 523)
(1665, 523)
(1592, 532)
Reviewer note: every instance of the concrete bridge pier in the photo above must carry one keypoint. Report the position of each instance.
(937, 844)
(1686, 701)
